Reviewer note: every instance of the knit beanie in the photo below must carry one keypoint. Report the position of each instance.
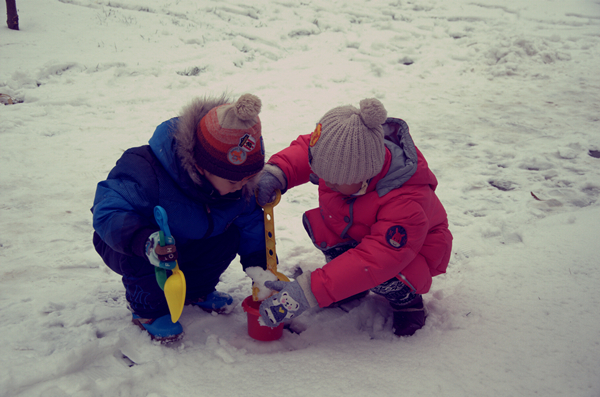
(229, 141)
(347, 145)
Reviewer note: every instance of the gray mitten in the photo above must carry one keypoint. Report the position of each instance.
(289, 302)
(270, 180)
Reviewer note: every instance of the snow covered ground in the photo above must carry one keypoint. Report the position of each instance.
(502, 97)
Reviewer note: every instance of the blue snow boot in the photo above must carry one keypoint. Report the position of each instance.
(214, 302)
(161, 329)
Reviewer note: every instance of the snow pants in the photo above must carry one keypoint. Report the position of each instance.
(394, 290)
(201, 261)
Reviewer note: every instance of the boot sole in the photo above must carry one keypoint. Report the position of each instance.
(161, 339)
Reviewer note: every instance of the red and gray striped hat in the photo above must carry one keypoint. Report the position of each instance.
(230, 143)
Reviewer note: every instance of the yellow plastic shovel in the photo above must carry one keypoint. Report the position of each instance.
(270, 242)
(174, 286)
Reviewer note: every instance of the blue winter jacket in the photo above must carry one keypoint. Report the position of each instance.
(162, 173)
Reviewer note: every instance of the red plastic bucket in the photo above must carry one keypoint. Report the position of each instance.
(255, 329)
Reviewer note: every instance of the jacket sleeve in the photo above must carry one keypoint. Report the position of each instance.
(252, 249)
(123, 213)
(392, 245)
(293, 161)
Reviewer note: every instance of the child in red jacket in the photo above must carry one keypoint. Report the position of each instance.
(379, 222)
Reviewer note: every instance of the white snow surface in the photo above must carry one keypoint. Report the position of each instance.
(501, 96)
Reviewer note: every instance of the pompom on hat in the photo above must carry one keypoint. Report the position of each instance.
(347, 145)
(229, 141)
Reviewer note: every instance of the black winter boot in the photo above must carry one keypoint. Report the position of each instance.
(409, 318)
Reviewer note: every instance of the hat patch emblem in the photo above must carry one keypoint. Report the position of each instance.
(247, 143)
(236, 155)
(314, 137)
(396, 236)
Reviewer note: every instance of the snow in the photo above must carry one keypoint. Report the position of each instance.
(502, 97)
(259, 278)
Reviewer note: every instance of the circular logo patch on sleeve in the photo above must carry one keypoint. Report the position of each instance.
(396, 236)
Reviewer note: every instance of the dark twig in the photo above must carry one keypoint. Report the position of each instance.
(12, 18)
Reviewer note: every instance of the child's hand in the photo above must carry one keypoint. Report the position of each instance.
(289, 302)
(270, 180)
(161, 256)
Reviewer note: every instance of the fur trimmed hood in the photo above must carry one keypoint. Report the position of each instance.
(185, 135)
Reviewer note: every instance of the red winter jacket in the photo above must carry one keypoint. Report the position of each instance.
(399, 223)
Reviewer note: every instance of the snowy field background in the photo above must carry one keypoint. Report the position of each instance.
(501, 96)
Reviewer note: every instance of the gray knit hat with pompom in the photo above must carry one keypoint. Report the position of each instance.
(347, 145)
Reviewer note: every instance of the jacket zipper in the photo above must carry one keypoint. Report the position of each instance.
(211, 222)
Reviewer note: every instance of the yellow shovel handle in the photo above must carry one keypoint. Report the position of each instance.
(270, 241)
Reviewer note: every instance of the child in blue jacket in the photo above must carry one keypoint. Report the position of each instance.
(196, 167)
